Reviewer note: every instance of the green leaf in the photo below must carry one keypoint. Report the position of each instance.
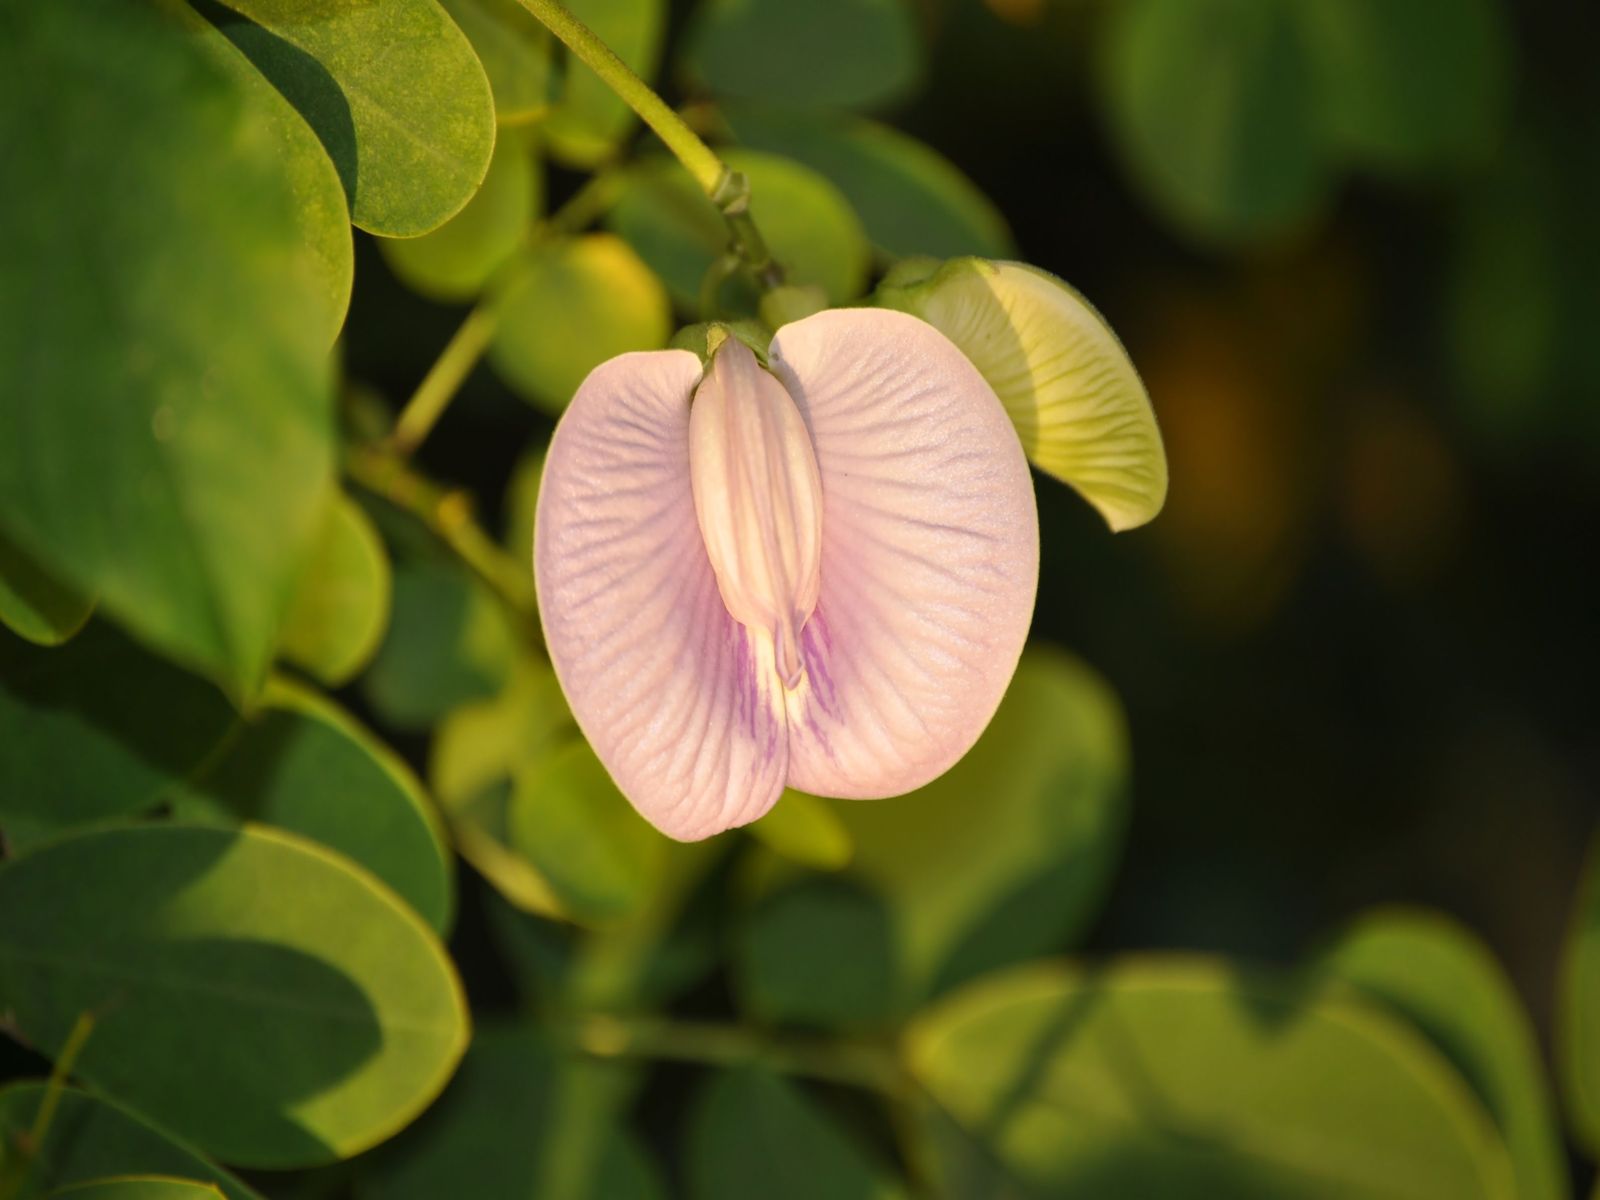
(305, 765)
(1443, 980)
(1066, 382)
(449, 641)
(515, 52)
(455, 261)
(521, 1120)
(567, 818)
(589, 121)
(823, 53)
(805, 830)
(755, 1134)
(395, 93)
(808, 224)
(911, 199)
(521, 499)
(1213, 107)
(139, 1187)
(91, 1136)
(568, 307)
(34, 604)
(1579, 1017)
(97, 728)
(341, 603)
(1186, 1077)
(182, 325)
(254, 993)
(1411, 87)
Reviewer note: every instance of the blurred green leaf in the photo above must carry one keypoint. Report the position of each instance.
(455, 261)
(1414, 86)
(588, 121)
(253, 992)
(819, 951)
(515, 51)
(567, 818)
(823, 53)
(35, 605)
(1212, 104)
(341, 603)
(1185, 1077)
(1579, 1020)
(139, 1187)
(805, 830)
(521, 498)
(94, 729)
(303, 764)
(183, 327)
(449, 641)
(567, 307)
(808, 224)
(521, 1120)
(410, 156)
(1442, 979)
(91, 1136)
(753, 1133)
(911, 199)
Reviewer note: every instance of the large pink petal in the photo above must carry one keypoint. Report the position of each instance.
(680, 703)
(930, 552)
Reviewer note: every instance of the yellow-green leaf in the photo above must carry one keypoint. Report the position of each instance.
(34, 604)
(805, 830)
(341, 604)
(589, 120)
(1579, 1028)
(515, 51)
(139, 1187)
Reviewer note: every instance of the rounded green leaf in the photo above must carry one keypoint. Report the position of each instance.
(455, 261)
(395, 93)
(755, 1134)
(1212, 104)
(808, 224)
(197, 330)
(139, 1187)
(1579, 1029)
(589, 120)
(911, 199)
(94, 729)
(515, 51)
(1066, 382)
(34, 604)
(1443, 980)
(822, 53)
(1413, 86)
(303, 764)
(1186, 1077)
(254, 993)
(567, 818)
(91, 1137)
(805, 830)
(567, 308)
(341, 604)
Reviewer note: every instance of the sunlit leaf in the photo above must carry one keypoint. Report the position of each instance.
(91, 1137)
(456, 260)
(1579, 1029)
(1068, 385)
(395, 93)
(341, 604)
(1439, 977)
(823, 53)
(755, 1134)
(911, 199)
(808, 224)
(1212, 104)
(36, 605)
(507, 1123)
(262, 997)
(176, 444)
(515, 51)
(1188, 1077)
(139, 1187)
(303, 764)
(94, 729)
(569, 306)
(805, 830)
(589, 120)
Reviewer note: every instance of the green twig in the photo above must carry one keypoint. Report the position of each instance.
(445, 377)
(30, 1143)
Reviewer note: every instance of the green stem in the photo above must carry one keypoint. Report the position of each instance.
(29, 1144)
(445, 377)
